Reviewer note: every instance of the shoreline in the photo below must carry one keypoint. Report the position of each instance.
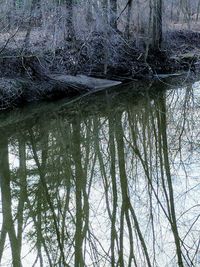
(26, 77)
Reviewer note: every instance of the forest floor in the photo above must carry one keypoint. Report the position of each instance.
(25, 73)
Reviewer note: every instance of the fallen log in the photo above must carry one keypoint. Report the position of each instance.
(83, 81)
(15, 92)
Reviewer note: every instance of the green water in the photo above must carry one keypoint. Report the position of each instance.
(108, 180)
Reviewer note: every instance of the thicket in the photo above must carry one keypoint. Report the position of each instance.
(105, 36)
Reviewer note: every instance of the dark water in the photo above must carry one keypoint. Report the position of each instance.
(108, 180)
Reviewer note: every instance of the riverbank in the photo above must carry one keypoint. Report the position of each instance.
(115, 57)
(26, 75)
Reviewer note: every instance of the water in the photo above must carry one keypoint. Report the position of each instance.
(108, 180)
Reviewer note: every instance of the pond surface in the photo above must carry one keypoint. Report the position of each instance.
(108, 180)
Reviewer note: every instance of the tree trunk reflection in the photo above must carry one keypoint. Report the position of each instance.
(101, 189)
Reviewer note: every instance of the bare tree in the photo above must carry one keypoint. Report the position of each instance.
(157, 33)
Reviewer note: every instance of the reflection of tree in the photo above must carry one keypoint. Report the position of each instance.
(169, 195)
(8, 220)
(162, 158)
(126, 203)
(98, 190)
(82, 205)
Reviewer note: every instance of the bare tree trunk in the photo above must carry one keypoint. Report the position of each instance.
(105, 11)
(89, 13)
(157, 25)
(69, 27)
(113, 14)
(35, 5)
(127, 29)
(171, 11)
(10, 13)
(198, 10)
